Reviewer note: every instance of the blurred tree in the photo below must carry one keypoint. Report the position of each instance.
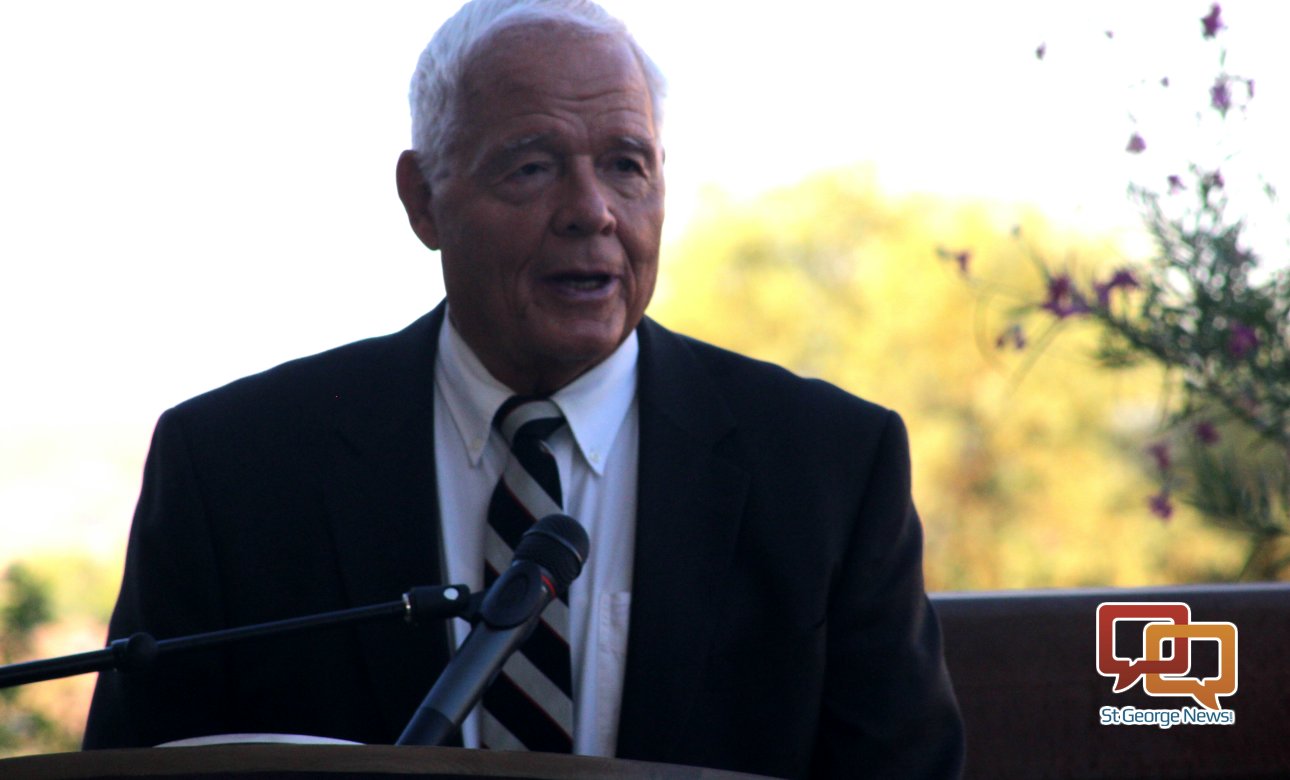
(1041, 488)
(25, 607)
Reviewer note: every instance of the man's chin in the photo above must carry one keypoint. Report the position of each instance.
(579, 340)
(572, 355)
(581, 355)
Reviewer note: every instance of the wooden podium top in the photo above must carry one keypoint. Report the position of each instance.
(355, 762)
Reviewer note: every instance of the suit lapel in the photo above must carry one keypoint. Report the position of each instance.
(690, 499)
(383, 507)
(381, 496)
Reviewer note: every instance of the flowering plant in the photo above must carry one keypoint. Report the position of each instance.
(1217, 320)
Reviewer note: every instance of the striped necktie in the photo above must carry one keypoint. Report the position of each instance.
(530, 704)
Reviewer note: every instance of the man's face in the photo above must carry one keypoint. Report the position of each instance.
(549, 204)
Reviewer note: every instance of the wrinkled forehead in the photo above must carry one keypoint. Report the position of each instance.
(518, 48)
(515, 34)
(539, 66)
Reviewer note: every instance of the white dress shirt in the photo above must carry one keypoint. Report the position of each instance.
(596, 454)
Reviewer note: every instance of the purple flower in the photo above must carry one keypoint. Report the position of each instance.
(1012, 335)
(1176, 184)
(1063, 299)
(962, 257)
(1136, 144)
(1214, 180)
(1164, 81)
(1206, 432)
(1241, 340)
(1160, 505)
(1121, 279)
(1040, 51)
(1220, 97)
(1212, 23)
(1159, 452)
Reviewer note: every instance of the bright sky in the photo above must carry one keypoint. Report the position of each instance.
(194, 191)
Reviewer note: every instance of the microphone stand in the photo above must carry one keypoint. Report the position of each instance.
(427, 602)
(548, 558)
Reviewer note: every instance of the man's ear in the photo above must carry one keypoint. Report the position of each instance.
(414, 191)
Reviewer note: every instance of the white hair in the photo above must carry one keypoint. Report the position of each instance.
(436, 84)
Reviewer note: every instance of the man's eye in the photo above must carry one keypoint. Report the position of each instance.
(628, 165)
(529, 169)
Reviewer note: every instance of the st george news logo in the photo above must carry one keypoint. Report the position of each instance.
(1165, 666)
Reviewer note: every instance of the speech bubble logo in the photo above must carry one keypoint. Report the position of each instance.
(1128, 671)
(1204, 691)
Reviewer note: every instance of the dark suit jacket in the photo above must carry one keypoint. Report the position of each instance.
(778, 624)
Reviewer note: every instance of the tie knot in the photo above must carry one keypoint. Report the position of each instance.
(528, 417)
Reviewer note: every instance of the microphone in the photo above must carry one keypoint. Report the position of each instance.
(548, 558)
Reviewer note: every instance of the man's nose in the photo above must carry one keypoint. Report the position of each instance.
(583, 208)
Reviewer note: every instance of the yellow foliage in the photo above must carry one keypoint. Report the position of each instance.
(1028, 469)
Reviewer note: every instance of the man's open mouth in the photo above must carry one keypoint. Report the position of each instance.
(582, 282)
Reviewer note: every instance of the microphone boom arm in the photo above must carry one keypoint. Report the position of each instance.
(427, 602)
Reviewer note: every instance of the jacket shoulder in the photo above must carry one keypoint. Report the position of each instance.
(764, 390)
(397, 363)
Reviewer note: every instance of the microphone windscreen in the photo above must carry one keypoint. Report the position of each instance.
(557, 543)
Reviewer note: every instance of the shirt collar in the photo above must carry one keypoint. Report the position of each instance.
(594, 405)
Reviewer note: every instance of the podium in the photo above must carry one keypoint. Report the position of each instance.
(351, 762)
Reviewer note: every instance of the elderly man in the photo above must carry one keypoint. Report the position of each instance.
(753, 598)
